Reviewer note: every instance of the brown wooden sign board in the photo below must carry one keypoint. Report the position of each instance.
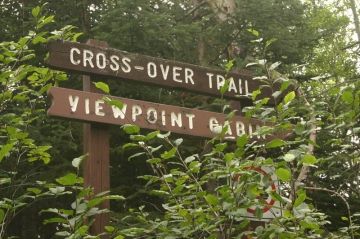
(104, 61)
(91, 107)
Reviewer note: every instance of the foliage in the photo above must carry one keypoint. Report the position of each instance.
(23, 157)
(191, 189)
(76, 222)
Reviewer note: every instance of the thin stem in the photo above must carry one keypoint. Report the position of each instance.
(343, 199)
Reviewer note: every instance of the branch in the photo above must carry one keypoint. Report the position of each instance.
(343, 199)
(312, 138)
(351, 45)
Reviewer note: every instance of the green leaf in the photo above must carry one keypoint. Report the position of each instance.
(36, 191)
(225, 87)
(5, 180)
(347, 96)
(242, 141)
(39, 39)
(154, 160)
(309, 160)
(212, 199)
(289, 157)
(255, 93)
(229, 65)
(131, 128)
(253, 32)
(289, 97)
(229, 157)
(169, 154)
(283, 174)
(35, 11)
(77, 161)
(136, 155)
(151, 135)
(194, 166)
(178, 141)
(82, 231)
(2, 215)
(220, 147)
(190, 159)
(119, 237)
(163, 136)
(114, 102)
(137, 137)
(102, 86)
(5, 150)
(284, 85)
(109, 229)
(95, 201)
(129, 145)
(276, 196)
(69, 180)
(274, 65)
(275, 143)
(54, 220)
(269, 42)
(258, 213)
(301, 196)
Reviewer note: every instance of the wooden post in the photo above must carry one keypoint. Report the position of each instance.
(96, 146)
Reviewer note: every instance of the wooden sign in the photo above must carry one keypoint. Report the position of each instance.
(114, 63)
(92, 107)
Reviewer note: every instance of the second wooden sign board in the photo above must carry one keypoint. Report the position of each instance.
(92, 107)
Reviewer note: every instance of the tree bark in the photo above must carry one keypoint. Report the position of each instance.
(356, 18)
(223, 8)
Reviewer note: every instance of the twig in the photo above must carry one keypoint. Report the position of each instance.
(343, 199)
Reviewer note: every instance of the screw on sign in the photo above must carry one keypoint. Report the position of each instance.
(271, 208)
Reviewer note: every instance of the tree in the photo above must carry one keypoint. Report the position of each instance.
(313, 44)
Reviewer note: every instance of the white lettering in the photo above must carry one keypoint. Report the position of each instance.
(247, 88)
(99, 107)
(73, 102)
(101, 60)
(163, 119)
(250, 130)
(240, 128)
(210, 79)
(72, 60)
(232, 85)
(136, 111)
(87, 58)
(176, 74)
(119, 112)
(176, 119)
(190, 118)
(151, 115)
(126, 68)
(164, 71)
(240, 86)
(151, 69)
(87, 106)
(189, 73)
(214, 125)
(114, 64)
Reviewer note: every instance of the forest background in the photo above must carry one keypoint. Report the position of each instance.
(312, 45)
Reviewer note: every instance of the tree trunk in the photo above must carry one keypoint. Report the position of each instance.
(223, 8)
(356, 18)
